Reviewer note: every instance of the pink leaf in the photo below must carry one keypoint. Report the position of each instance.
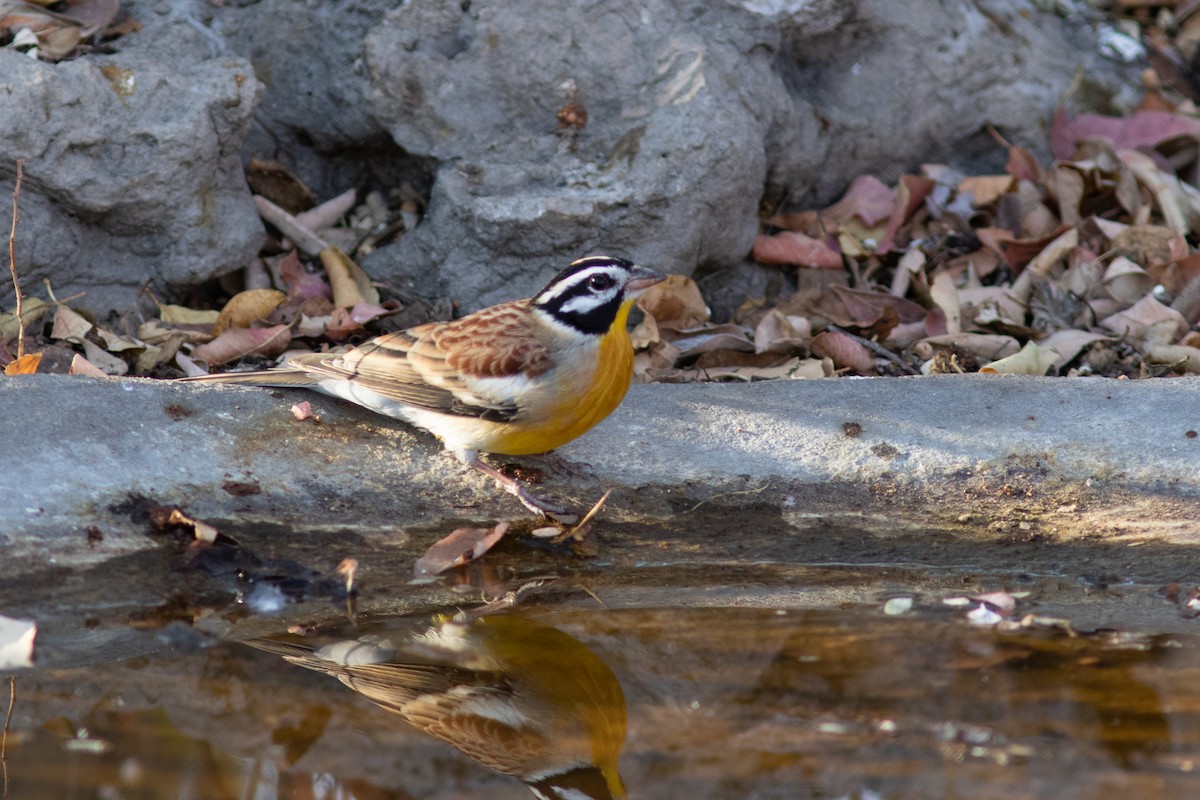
(791, 247)
(461, 546)
(1142, 129)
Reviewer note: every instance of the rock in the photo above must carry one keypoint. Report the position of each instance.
(131, 167)
(699, 116)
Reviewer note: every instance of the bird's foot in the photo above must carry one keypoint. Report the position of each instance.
(537, 505)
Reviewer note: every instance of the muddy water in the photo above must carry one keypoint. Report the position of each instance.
(720, 702)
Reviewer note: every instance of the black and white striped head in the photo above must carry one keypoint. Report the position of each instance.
(582, 783)
(588, 295)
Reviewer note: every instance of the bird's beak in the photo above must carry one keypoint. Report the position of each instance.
(641, 279)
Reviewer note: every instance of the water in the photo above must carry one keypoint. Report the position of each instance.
(841, 701)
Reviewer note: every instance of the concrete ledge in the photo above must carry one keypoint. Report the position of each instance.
(78, 449)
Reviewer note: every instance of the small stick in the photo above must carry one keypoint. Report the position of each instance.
(12, 266)
(579, 531)
(12, 701)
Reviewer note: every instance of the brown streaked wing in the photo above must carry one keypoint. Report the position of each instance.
(496, 342)
(389, 366)
(508, 749)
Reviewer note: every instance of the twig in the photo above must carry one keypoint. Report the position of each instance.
(12, 267)
(12, 701)
(728, 494)
(579, 531)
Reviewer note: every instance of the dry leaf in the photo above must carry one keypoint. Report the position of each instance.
(844, 351)
(350, 285)
(182, 315)
(984, 346)
(104, 360)
(461, 546)
(675, 303)
(1147, 323)
(246, 308)
(985, 189)
(1125, 281)
(32, 309)
(81, 366)
(1069, 342)
(791, 247)
(1032, 359)
(25, 365)
(778, 332)
(237, 343)
(1185, 357)
(69, 325)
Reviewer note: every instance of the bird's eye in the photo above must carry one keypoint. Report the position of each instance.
(600, 283)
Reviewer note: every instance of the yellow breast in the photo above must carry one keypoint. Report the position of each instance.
(581, 394)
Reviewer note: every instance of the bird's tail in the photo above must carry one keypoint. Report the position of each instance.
(282, 378)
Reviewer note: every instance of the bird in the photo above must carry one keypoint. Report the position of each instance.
(518, 378)
(520, 697)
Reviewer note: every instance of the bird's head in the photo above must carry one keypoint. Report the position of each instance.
(588, 295)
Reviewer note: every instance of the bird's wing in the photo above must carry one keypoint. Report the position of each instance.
(484, 723)
(444, 366)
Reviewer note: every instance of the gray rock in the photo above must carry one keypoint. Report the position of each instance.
(700, 114)
(131, 165)
(668, 169)
(697, 112)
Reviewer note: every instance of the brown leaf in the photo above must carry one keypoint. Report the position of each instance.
(675, 303)
(1142, 129)
(246, 308)
(460, 547)
(1022, 165)
(985, 189)
(81, 366)
(237, 343)
(1147, 323)
(910, 195)
(790, 247)
(844, 351)
(69, 325)
(868, 198)
(350, 285)
(25, 365)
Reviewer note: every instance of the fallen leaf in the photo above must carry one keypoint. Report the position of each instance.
(778, 332)
(1140, 129)
(675, 303)
(1032, 359)
(1147, 323)
(81, 366)
(985, 189)
(791, 247)
(984, 346)
(1126, 281)
(1069, 342)
(182, 315)
(104, 360)
(1185, 357)
(237, 343)
(246, 308)
(25, 365)
(349, 284)
(844, 351)
(69, 325)
(460, 547)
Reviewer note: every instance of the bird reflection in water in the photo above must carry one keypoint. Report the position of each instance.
(518, 696)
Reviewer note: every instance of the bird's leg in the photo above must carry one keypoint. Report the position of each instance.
(514, 487)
